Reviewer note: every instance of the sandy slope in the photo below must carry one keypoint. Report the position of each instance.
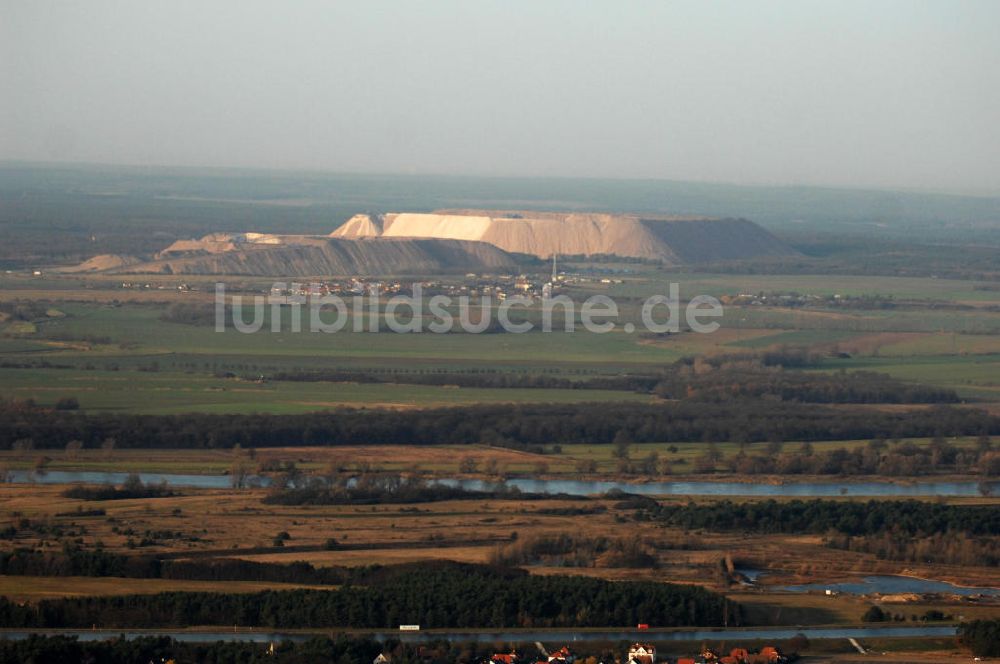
(315, 256)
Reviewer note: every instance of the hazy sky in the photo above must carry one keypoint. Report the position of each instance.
(885, 94)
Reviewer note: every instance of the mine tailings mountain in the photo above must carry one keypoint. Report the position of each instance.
(672, 240)
(410, 243)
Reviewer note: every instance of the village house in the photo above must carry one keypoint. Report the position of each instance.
(767, 655)
(562, 656)
(642, 653)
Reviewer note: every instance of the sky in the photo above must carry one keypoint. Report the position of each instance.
(875, 94)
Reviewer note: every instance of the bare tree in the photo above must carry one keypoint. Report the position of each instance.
(665, 467)
(468, 465)
(108, 447)
(239, 472)
(491, 467)
(73, 448)
(621, 443)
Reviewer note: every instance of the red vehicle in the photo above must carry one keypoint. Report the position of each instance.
(642, 626)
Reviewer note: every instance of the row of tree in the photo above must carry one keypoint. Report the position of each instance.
(526, 426)
(75, 560)
(947, 548)
(902, 517)
(132, 488)
(374, 489)
(751, 379)
(719, 379)
(879, 457)
(568, 550)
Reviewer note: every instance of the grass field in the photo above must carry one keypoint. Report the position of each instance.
(140, 330)
(104, 345)
(172, 392)
(972, 376)
(692, 283)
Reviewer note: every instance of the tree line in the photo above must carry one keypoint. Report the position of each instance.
(132, 488)
(879, 457)
(947, 548)
(443, 596)
(377, 489)
(342, 650)
(74, 560)
(743, 380)
(479, 379)
(716, 379)
(568, 550)
(906, 517)
(520, 426)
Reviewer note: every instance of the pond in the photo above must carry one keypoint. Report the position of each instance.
(892, 585)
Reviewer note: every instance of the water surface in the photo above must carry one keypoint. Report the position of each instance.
(526, 636)
(569, 487)
(891, 585)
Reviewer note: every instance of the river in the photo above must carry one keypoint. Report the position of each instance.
(570, 487)
(524, 636)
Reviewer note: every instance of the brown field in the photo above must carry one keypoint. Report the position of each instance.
(230, 523)
(868, 344)
(34, 588)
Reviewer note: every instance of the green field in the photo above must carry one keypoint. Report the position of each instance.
(171, 392)
(796, 338)
(125, 357)
(139, 329)
(972, 376)
(951, 290)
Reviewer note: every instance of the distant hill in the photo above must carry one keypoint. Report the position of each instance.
(673, 240)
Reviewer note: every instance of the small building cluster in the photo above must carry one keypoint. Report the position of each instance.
(497, 286)
(639, 653)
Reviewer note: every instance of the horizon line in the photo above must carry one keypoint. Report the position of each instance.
(289, 171)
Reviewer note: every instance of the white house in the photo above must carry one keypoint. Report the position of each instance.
(642, 653)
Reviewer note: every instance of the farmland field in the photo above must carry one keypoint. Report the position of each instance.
(120, 356)
(175, 392)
